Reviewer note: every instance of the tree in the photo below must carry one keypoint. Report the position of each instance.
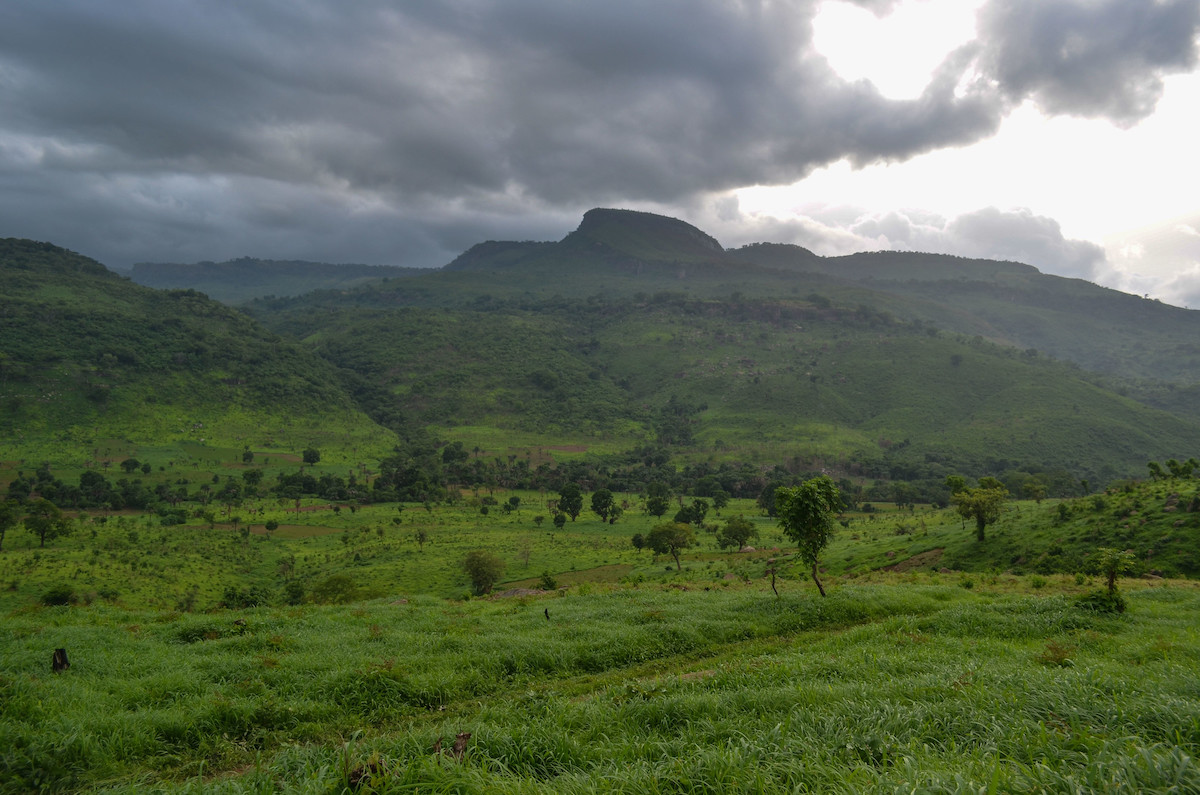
(1112, 564)
(720, 499)
(570, 500)
(484, 569)
(955, 483)
(130, 464)
(9, 511)
(736, 533)
(905, 495)
(46, 521)
(982, 504)
(806, 513)
(311, 455)
(658, 498)
(560, 519)
(694, 513)
(603, 504)
(671, 538)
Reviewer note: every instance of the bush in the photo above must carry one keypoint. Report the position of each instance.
(293, 592)
(1102, 601)
(484, 569)
(335, 589)
(58, 596)
(237, 598)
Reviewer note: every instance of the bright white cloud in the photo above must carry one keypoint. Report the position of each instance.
(897, 52)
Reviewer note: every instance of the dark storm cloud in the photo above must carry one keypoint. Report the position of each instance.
(404, 132)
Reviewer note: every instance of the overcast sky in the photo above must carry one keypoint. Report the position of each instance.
(1055, 132)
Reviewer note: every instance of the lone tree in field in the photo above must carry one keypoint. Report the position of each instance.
(670, 538)
(484, 569)
(1112, 564)
(570, 500)
(46, 521)
(311, 455)
(806, 513)
(982, 504)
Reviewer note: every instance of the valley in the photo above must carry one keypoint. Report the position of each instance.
(247, 523)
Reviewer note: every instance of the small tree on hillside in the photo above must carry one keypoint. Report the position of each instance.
(311, 455)
(981, 504)
(9, 511)
(603, 504)
(806, 513)
(736, 533)
(484, 569)
(1112, 564)
(670, 538)
(658, 498)
(46, 521)
(570, 500)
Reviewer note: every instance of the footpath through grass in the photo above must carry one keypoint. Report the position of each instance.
(651, 689)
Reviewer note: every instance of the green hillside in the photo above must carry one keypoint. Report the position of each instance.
(86, 356)
(744, 380)
(1071, 319)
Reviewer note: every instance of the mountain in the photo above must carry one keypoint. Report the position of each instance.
(638, 329)
(239, 280)
(1150, 347)
(86, 355)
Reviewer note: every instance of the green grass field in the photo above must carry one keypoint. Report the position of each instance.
(896, 687)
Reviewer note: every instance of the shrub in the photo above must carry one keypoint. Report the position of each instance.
(335, 589)
(293, 592)
(58, 596)
(1102, 601)
(484, 569)
(237, 598)
(1057, 654)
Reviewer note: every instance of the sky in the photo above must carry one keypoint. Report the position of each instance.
(1060, 133)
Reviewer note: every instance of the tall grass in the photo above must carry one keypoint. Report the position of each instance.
(650, 689)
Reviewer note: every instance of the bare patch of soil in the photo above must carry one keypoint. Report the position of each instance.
(928, 558)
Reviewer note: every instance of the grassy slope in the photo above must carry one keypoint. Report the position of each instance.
(133, 560)
(1098, 328)
(877, 688)
(87, 356)
(779, 379)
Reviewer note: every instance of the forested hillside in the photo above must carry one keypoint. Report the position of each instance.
(86, 355)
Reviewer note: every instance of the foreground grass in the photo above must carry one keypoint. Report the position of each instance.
(651, 689)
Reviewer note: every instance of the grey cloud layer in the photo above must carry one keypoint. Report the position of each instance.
(991, 233)
(403, 132)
